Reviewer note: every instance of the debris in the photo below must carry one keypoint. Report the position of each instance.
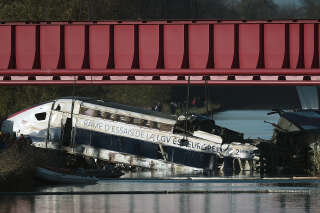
(294, 148)
(51, 176)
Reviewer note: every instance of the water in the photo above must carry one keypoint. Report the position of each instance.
(249, 122)
(226, 195)
(229, 197)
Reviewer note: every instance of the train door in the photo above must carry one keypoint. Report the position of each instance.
(61, 123)
(66, 131)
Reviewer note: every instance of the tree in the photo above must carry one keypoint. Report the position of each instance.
(36, 10)
(219, 9)
(257, 9)
(290, 11)
(311, 8)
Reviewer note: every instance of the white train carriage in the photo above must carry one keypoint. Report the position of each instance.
(125, 134)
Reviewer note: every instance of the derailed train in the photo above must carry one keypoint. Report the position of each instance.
(129, 135)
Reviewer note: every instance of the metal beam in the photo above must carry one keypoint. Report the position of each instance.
(160, 72)
(162, 82)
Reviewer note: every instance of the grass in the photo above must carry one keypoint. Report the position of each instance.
(16, 168)
(18, 163)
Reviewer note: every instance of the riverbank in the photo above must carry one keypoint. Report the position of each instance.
(19, 160)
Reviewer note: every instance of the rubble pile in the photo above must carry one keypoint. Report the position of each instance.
(295, 145)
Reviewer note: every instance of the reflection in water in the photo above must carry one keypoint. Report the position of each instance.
(132, 203)
(186, 203)
(16, 204)
(156, 204)
(257, 204)
(282, 203)
(307, 202)
(207, 201)
(184, 199)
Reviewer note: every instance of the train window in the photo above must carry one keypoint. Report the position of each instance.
(126, 119)
(114, 117)
(143, 122)
(165, 127)
(154, 125)
(130, 120)
(58, 108)
(82, 110)
(150, 124)
(106, 115)
(99, 114)
(89, 112)
(136, 121)
(41, 116)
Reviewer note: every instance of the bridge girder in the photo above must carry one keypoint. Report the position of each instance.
(161, 52)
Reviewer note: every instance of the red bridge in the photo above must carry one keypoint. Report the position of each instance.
(161, 52)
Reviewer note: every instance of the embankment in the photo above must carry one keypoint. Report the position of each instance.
(18, 160)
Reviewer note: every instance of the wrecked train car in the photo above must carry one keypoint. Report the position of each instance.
(129, 135)
(295, 145)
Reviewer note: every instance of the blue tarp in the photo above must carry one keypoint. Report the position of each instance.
(305, 119)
